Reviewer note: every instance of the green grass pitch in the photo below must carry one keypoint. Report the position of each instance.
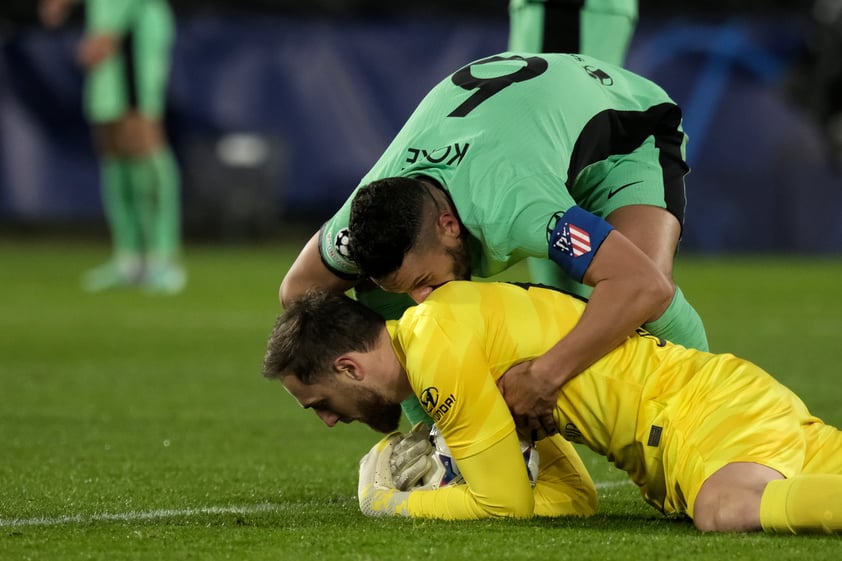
(139, 427)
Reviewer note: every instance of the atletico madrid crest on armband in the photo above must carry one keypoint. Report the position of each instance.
(572, 234)
(572, 239)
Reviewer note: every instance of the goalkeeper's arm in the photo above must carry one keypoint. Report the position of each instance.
(564, 486)
(496, 485)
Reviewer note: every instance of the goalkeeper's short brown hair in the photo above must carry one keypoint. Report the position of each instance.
(313, 330)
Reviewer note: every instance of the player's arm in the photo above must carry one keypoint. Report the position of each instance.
(496, 485)
(564, 487)
(309, 271)
(628, 291)
(492, 487)
(54, 13)
(445, 355)
(107, 22)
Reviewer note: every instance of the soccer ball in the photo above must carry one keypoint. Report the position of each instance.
(445, 472)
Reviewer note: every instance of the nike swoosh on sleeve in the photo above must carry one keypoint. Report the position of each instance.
(613, 192)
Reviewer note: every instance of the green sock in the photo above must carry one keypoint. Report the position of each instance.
(167, 236)
(119, 203)
(680, 324)
(155, 181)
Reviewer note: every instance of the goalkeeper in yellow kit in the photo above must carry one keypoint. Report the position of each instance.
(711, 436)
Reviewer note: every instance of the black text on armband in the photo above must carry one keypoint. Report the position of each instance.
(451, 155)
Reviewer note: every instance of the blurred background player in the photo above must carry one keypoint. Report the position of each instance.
(125, 53)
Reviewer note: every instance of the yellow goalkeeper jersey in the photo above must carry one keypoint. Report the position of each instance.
(652, 408)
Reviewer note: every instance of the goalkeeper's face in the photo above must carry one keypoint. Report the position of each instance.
(337, 401)
(378, 412)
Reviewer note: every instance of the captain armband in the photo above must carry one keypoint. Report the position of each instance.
(573, 238)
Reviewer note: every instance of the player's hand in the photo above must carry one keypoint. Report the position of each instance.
(411, 457)
(53, 13)
(531, 397)
(94, 49)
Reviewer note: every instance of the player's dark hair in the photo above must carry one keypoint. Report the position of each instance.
(386, 220)
(313, 330)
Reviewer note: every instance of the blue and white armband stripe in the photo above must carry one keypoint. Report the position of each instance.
(573, 237)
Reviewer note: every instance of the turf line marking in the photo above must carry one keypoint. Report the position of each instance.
(612, 484)
(135, 516)
(174, 513)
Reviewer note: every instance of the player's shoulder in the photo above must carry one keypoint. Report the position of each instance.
(455, 291)
(470, 293)
(451, 301)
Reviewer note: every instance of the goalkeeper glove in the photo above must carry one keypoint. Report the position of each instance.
(412, 457)
(422, 461)
(376, 489)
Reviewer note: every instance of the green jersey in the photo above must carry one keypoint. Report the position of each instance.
(516, 139)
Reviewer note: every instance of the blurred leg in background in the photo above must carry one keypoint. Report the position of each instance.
(126, 56)
(598, 28)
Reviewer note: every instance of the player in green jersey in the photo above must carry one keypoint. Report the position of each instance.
(708, 435)
(125, 53)
(557, 156)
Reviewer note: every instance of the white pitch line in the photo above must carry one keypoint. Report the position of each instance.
(135, 516)
(174, 513)
(612, 484)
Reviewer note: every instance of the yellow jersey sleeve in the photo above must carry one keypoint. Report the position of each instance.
(449, 371)
(564, 486)
(502, 491)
